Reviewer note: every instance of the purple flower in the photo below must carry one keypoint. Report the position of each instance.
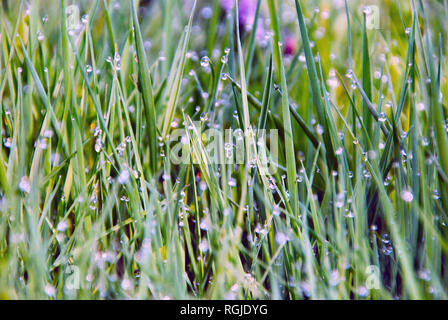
(227, 5)
(246, 14)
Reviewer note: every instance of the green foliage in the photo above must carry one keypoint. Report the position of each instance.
(93, 206)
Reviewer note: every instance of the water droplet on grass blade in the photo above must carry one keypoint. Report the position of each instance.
(40, 36)
(203, 246)
(350, 215)
(366, 174)
(224, 59)
(50, 290)
(62, 225)
(205, 62)
(407, 195)
(436, 195)
(25, 185)
(123, 177)
(281, 238)
(7, 142)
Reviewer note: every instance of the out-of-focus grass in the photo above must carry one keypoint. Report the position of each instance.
(92, 204)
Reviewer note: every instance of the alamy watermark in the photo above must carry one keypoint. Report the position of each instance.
(228, 146)
(372, 13)
(72, 281)
(373, 278)
(72, 17)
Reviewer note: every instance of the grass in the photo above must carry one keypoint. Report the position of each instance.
(94, 204)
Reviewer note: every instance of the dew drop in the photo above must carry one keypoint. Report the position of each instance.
(40, 36)
(25, 185)
(205, 62)
(407, 195)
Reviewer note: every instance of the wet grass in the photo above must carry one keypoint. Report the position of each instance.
(93, 204)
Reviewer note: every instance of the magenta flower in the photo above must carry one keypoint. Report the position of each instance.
(290, 46)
